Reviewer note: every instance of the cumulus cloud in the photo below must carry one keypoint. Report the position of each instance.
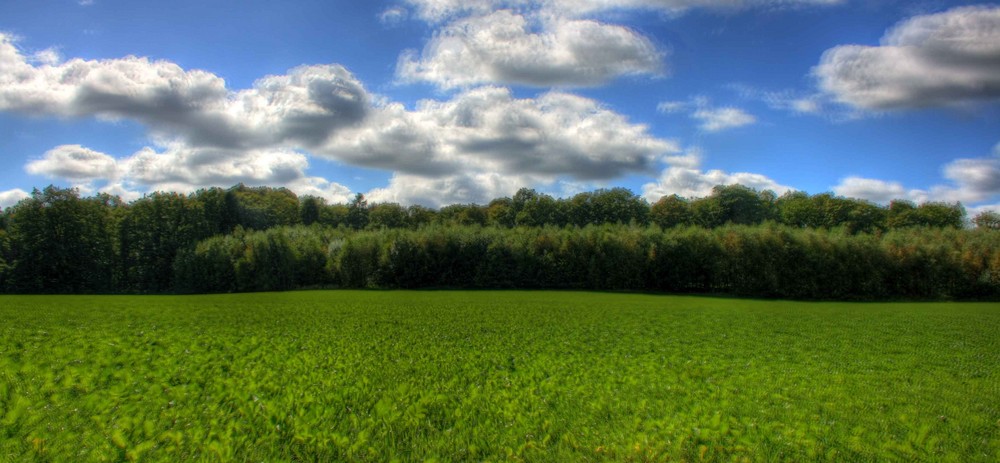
(303, 107)
(504, 47)
(478, 142)
(932, 60)
(185, 169)
(75, 163)
(489, 130)
(182, 168)
(11, 197)
(684, 177)
(879, 191)
(484, 143)
(971, 181)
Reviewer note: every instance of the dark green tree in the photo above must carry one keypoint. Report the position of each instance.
(150, 232)
(670, 211)
(310, 208)
(500, 212)
(387, 215)
(357, 212)
(62, 243)
(418, 216)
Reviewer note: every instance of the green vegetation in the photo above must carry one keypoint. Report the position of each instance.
(736, 241)
(495, 376)
(764, 260)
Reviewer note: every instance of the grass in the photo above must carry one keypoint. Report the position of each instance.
(495, 376)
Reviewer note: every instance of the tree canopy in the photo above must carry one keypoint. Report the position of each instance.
(260, 238)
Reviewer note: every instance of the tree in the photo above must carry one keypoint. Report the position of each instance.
(62, 243)
(462, 214)
(987, 220)
(150, 232)
(670, 211)
(4, 252)
(615, 205)
(357, 212)
(500, 212)
(387, 215)
(310, 209)
(902, 213)
(418, 216)
(742, 205)
(537, 210)
(941, 215)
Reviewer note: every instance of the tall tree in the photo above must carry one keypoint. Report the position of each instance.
(357, 212)
(310, 209)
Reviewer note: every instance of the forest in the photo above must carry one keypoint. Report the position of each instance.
(736, 241)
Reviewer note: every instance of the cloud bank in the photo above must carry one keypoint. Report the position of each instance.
(480, 143)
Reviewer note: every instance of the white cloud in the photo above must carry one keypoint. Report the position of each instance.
(487, 129)
(878, 191)
(932, 60)
(484, 143)
(205, 134)
(684, 177)
(670, 107)
(435, 11)
(48, 56)
(712, 119)
(182, 168)
(301, 108)
(11, 197)
(441, 10)
(676, 6)
(971, 181)
(74, 162)
(718, 119)
(504, 47)
(459, 188)
(393, 15)
(785, 100)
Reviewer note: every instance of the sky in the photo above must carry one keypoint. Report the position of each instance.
(438, 102)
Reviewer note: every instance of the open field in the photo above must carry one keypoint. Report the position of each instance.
(495, 376)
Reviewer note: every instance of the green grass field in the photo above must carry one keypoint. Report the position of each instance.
(495, 376)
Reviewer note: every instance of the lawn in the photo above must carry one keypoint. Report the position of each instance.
(495, 376)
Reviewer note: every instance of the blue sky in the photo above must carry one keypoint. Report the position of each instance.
(446, 101)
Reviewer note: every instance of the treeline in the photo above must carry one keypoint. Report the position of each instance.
(765, 260)
(736, 241)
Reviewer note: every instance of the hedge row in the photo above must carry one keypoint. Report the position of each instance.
(763, 261)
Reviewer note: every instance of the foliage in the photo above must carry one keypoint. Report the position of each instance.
(988, 220)
(735, 241)
(494, 376)
(61, 243)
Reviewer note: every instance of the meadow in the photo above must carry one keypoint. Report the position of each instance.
(495, 376)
